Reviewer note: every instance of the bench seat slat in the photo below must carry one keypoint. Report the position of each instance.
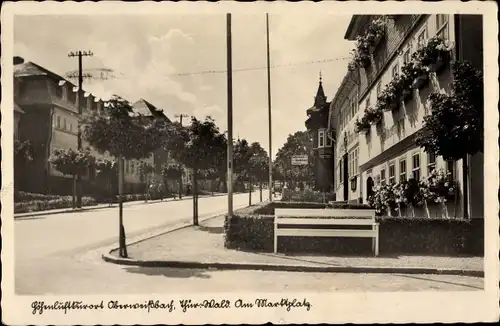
(325, 212)
(332, 221)
(326, 233)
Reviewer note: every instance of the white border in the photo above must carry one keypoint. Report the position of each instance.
(331, 308)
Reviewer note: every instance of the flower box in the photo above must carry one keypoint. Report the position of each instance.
(376, 42)
(420, 81)
(405, 95)
(440, 63)
(365, 62)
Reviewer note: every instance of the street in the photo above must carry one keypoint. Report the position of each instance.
(61, 254)
(44, 245)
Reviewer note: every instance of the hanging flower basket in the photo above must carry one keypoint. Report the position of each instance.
(362, 125)
(365, 62)
(406, 94)
(354, 183)
(442, 60)
(420, 81)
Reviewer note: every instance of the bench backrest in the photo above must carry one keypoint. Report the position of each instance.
(317, 216)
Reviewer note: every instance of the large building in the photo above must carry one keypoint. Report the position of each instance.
(46, 114)
(386, 152)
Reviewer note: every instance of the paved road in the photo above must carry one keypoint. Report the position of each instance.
(60, 254)
(46, 240)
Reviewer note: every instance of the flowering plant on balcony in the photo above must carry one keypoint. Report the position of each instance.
(389, 97)
(435, 49)
(383, 198)
(373, 115)
(362, 125)
(441, 186)
(375, 32)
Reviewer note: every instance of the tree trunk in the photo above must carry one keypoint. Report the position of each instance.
(465, 177)
(250, 193)
(122, 239)
(73, 197)
(180, 186)
(260, 190)
(195, 198)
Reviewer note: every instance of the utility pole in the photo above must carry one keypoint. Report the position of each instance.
(269, 111)
(181, 186)
(229, 119)
(79, 98)
(180, 116)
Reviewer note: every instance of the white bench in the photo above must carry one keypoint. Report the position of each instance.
(318, 217)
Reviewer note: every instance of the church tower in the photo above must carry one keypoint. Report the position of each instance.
(317, 126)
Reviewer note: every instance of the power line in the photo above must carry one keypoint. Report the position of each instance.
(205, 72)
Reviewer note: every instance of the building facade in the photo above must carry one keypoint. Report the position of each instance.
(317, 126)
(386, 152)
(46, 114)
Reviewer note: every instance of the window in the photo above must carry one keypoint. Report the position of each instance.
(58, 122)
(422, 37)
(64, 123)
(341, 174)
(58, 91)
(392, 174)
(353, 162)
(431, 162)
(379, 89)
(127, 164)
(321, 138)
(353, 107)
(368, 100)
(71, 96)
(450, 168)
(416, 166)
(442, 26)
(402, 170)
(395, 70)
(132, 167)
(356, 155)
(382, 176)
(407, 55)
(70, 127)
(328, 140)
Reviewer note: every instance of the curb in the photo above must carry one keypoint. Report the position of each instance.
(288, 268)
(90, 208)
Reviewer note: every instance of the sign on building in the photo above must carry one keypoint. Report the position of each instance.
(299, 160)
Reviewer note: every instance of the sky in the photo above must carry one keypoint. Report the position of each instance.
(159, 57)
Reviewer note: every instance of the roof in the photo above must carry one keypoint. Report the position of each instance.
(356, 22)
(32, 69)
(145, 108)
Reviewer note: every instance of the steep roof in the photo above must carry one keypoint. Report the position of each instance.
(145, 108)
(32, 69)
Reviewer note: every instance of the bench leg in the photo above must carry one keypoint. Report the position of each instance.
(376, 241)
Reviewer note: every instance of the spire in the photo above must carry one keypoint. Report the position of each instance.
(320, 94)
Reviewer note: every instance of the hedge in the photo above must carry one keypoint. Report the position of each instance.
(42, 205)
(306, 196)
(249, 230)
(21, 196)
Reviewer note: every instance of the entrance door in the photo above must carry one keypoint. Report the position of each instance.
(346, 177)
(369, 187)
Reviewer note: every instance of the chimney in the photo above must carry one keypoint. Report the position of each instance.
(18, 60)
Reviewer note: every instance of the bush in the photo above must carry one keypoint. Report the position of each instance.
(253, 229)
(21, 196)
(306, 196)
(41, 205)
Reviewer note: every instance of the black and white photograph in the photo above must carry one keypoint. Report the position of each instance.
(249, 163)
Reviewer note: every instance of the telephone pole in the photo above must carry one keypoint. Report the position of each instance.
(229, 118)
(79, 97)
(180, 116)
(269, 112)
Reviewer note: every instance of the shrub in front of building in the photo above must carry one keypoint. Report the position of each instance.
(49, 202)
(306, 196)
(252, 229)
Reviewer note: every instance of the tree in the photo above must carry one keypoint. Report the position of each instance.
(170, 171)
(300, 143)
(242, 154)
(23, 154)
(107, 170)
(72, 162)
(124, 135)
(258, 165)
(195, 146)
(454, 127)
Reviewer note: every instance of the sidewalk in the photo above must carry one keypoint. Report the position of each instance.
(203, 247)
(101, 206)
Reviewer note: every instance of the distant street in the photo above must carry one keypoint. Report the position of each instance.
(45, 245)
